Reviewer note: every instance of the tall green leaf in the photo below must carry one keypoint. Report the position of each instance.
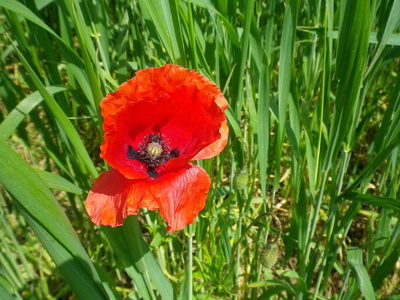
(50, 224)
(355, 260)
(351, 58)
(23, 108)
(59, 115)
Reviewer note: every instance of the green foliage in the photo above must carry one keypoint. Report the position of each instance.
(314, 97)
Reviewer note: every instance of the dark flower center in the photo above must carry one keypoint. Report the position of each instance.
(153, 152)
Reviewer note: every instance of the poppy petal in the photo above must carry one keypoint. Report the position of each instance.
(110, 200)
(170, 108)
(179, 197)
(216, 147)
(133, 122)
(189, 119)
(150, 83)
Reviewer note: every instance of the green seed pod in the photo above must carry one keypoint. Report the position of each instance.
(241, 179)
(269, 255)
(154, 150)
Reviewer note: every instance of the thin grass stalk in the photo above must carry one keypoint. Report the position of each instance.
(331, 225)
(323, 94)
(313, 224)
(238, 254)
(11, 271)
(192, 37)
(19, 251)
(245, 42)
(93, 77)
(263, 127)
(190, 267)
(331, 248)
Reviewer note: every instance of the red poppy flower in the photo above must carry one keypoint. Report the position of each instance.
(154, 125)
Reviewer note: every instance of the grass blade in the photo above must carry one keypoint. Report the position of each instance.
(391, 25)
(49, 222)
(16, 116)
(263, 124)
(5, 294)
(355, 260)
(352, 54)
(59, 115)
(372, 200)
(140, 264)
(56, 182)
(159, 20)
(284, 81)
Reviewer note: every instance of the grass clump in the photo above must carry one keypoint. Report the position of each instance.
(313, 92)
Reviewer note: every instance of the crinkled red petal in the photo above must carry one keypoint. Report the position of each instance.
(217, 146)
(187, 117)
(150, 83)
(179, 197)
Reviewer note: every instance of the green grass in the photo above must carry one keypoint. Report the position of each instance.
(314, 108)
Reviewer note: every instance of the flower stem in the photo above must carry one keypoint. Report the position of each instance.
(239, 231)
(190, 267)
(187, 288)
(236, 246)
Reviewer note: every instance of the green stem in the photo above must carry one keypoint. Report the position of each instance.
(190, 267)
(238, 248)
(314, 220)
(278, 224)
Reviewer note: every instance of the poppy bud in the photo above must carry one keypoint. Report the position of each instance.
(241, 179)
(269, 255)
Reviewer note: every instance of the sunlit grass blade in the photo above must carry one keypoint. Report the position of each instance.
(355, 260)
(389, 128)
(244, 50)
(284, 80)
(58, 183)
(351, 58)
(15, 117)
(373, 165)
(5, 294)
(122, 53)
(193, 37)
(386, 267)
(392, 22)
(145, 259)
(159, 21)
(59, 116)
(263, 124)
(323, 105)
(90, 61)
(140, 262)
(233, 122)
(286, 60)
(377, 201)
(140, 279)
(50, 223)
(171, 13)
(74, 61)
